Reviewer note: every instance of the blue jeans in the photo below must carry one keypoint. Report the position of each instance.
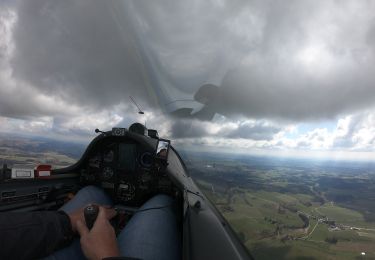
(150, 234)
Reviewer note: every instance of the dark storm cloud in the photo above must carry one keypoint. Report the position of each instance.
(255, 131)
(335, 77)
(246, 130)
(22, 105)
(74, 50)
(295, 60)
(6, 3)
(188, 129)
(298, 97)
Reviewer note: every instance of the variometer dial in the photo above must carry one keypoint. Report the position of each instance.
(147, 160)
(108, 156)
(107, 173)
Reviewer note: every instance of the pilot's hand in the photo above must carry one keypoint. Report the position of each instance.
(99, 242)
(79, 215)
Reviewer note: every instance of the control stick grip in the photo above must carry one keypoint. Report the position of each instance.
(90, 212)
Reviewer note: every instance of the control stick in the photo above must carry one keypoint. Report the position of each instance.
(90, 213)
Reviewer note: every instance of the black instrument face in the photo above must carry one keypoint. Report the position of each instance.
(95, 161)
(108, 156)
(107, 173)
(125, 168)
(147, 160)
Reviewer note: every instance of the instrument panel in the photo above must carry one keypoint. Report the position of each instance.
(127, 170)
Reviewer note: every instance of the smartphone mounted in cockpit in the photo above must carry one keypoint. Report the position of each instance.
(162, 150)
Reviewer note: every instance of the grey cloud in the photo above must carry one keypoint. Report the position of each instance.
(6, 3)
(193, 128)
(299, 97)
(22, 101)
(91, 53)
(98, 53)
(74, 50)
(257, 131)
(355, 124)
(187, 129)
(270, 82)
(303, 144)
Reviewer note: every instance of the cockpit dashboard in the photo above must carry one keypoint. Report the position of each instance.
(126, 169)
(128, 164)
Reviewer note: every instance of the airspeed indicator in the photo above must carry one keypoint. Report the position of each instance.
(107, 173)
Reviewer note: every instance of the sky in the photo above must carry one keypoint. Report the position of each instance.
(263, 77)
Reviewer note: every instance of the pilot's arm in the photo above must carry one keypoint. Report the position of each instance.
(33, 235)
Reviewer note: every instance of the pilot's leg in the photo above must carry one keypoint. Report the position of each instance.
(87, 195)
(152, 233)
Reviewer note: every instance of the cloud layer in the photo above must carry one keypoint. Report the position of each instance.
(72, 65)
(293, 60)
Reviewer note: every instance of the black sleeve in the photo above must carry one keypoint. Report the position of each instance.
(32, 235)
(121, 258)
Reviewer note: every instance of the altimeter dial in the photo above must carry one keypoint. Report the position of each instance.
(107, 173)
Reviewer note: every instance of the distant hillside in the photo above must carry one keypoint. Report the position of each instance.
(34, 150)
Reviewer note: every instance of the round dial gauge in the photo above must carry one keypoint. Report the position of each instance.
(108, 156)
(107, 173)
(146, 160)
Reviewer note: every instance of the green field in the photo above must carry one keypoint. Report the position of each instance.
(269, 224)
(52, 158)
(293, 209)
(342, 215)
